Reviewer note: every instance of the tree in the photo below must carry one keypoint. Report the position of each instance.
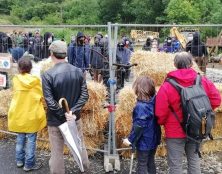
(206, 8)
(182, 11)
(81, 12)
(217, 16)
(5, 6)
(110, 10)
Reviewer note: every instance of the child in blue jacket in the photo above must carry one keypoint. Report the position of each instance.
(143, 117)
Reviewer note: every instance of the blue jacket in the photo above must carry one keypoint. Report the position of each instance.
(143, 116)
(79, 56)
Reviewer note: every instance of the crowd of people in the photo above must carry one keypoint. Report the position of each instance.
(67, 79)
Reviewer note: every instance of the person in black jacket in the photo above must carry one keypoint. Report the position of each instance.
(47, 40)
(67, 81)
(198, 51)
(97, 59)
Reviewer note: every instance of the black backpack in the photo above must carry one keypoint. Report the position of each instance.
(198, 115)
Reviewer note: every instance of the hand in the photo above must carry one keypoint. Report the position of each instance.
(70, 116)
(126, 142)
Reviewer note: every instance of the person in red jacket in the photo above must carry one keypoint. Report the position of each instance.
(167, 97)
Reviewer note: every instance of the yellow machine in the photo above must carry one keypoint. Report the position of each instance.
(180, 37)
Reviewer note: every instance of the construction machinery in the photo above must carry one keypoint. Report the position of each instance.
(182, 35)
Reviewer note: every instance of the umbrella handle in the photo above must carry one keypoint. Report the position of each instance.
(63, 103)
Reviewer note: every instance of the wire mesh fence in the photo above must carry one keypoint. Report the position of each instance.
(91, 47)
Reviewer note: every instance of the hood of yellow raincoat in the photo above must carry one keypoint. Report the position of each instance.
(25, 81)
(26, 113)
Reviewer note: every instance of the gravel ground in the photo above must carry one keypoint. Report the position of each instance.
(210, 164)
(215, 75)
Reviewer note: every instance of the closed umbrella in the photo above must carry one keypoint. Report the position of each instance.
(71, 136)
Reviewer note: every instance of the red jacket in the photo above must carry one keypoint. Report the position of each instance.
(168, 96)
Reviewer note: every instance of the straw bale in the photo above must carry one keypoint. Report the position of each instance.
(97, 96)
(161, 150)
(212, 146)
(219, 87)
(94, 122)
(3, 126)
(127, 101)
(217, 131)
(155, 65)
(6, 97)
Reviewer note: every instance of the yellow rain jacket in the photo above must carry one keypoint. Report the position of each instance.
(26, 113)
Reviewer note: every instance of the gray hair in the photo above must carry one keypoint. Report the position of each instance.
(183, 60)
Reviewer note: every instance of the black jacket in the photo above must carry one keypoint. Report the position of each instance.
(196, 47)
(63, 80)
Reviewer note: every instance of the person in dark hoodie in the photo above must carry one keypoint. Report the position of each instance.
(169, 100)
(147, 45)
(96, 59)
(47, 40)
(123, 56)
(198, 51)
(79, 53)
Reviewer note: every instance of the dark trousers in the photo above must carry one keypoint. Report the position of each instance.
(146, 162)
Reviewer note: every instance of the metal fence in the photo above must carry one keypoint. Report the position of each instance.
(167, 38)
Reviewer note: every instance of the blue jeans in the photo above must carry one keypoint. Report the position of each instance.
(25, 149)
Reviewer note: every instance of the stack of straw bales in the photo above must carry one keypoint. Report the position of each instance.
(155, 65)
(94, 116)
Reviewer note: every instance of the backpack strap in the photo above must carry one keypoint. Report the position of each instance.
(175, 84)
(198, 80)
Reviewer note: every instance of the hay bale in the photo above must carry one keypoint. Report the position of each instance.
(219, 87)
(3, 126)
(6, 97)
(217, 131)
(155, 65)
(97, 96)
(211, 146)
(127, 101)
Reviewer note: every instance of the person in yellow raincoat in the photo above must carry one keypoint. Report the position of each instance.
(26, 114)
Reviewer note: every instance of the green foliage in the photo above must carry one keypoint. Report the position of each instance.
(110, 10)
(5, 6)
(116, 11)
(182, 12)
(217, 16)
(80, 12)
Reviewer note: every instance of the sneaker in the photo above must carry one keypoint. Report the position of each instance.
(37, 166)
(20, 164)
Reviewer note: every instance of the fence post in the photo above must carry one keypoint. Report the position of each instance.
(111, 160)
